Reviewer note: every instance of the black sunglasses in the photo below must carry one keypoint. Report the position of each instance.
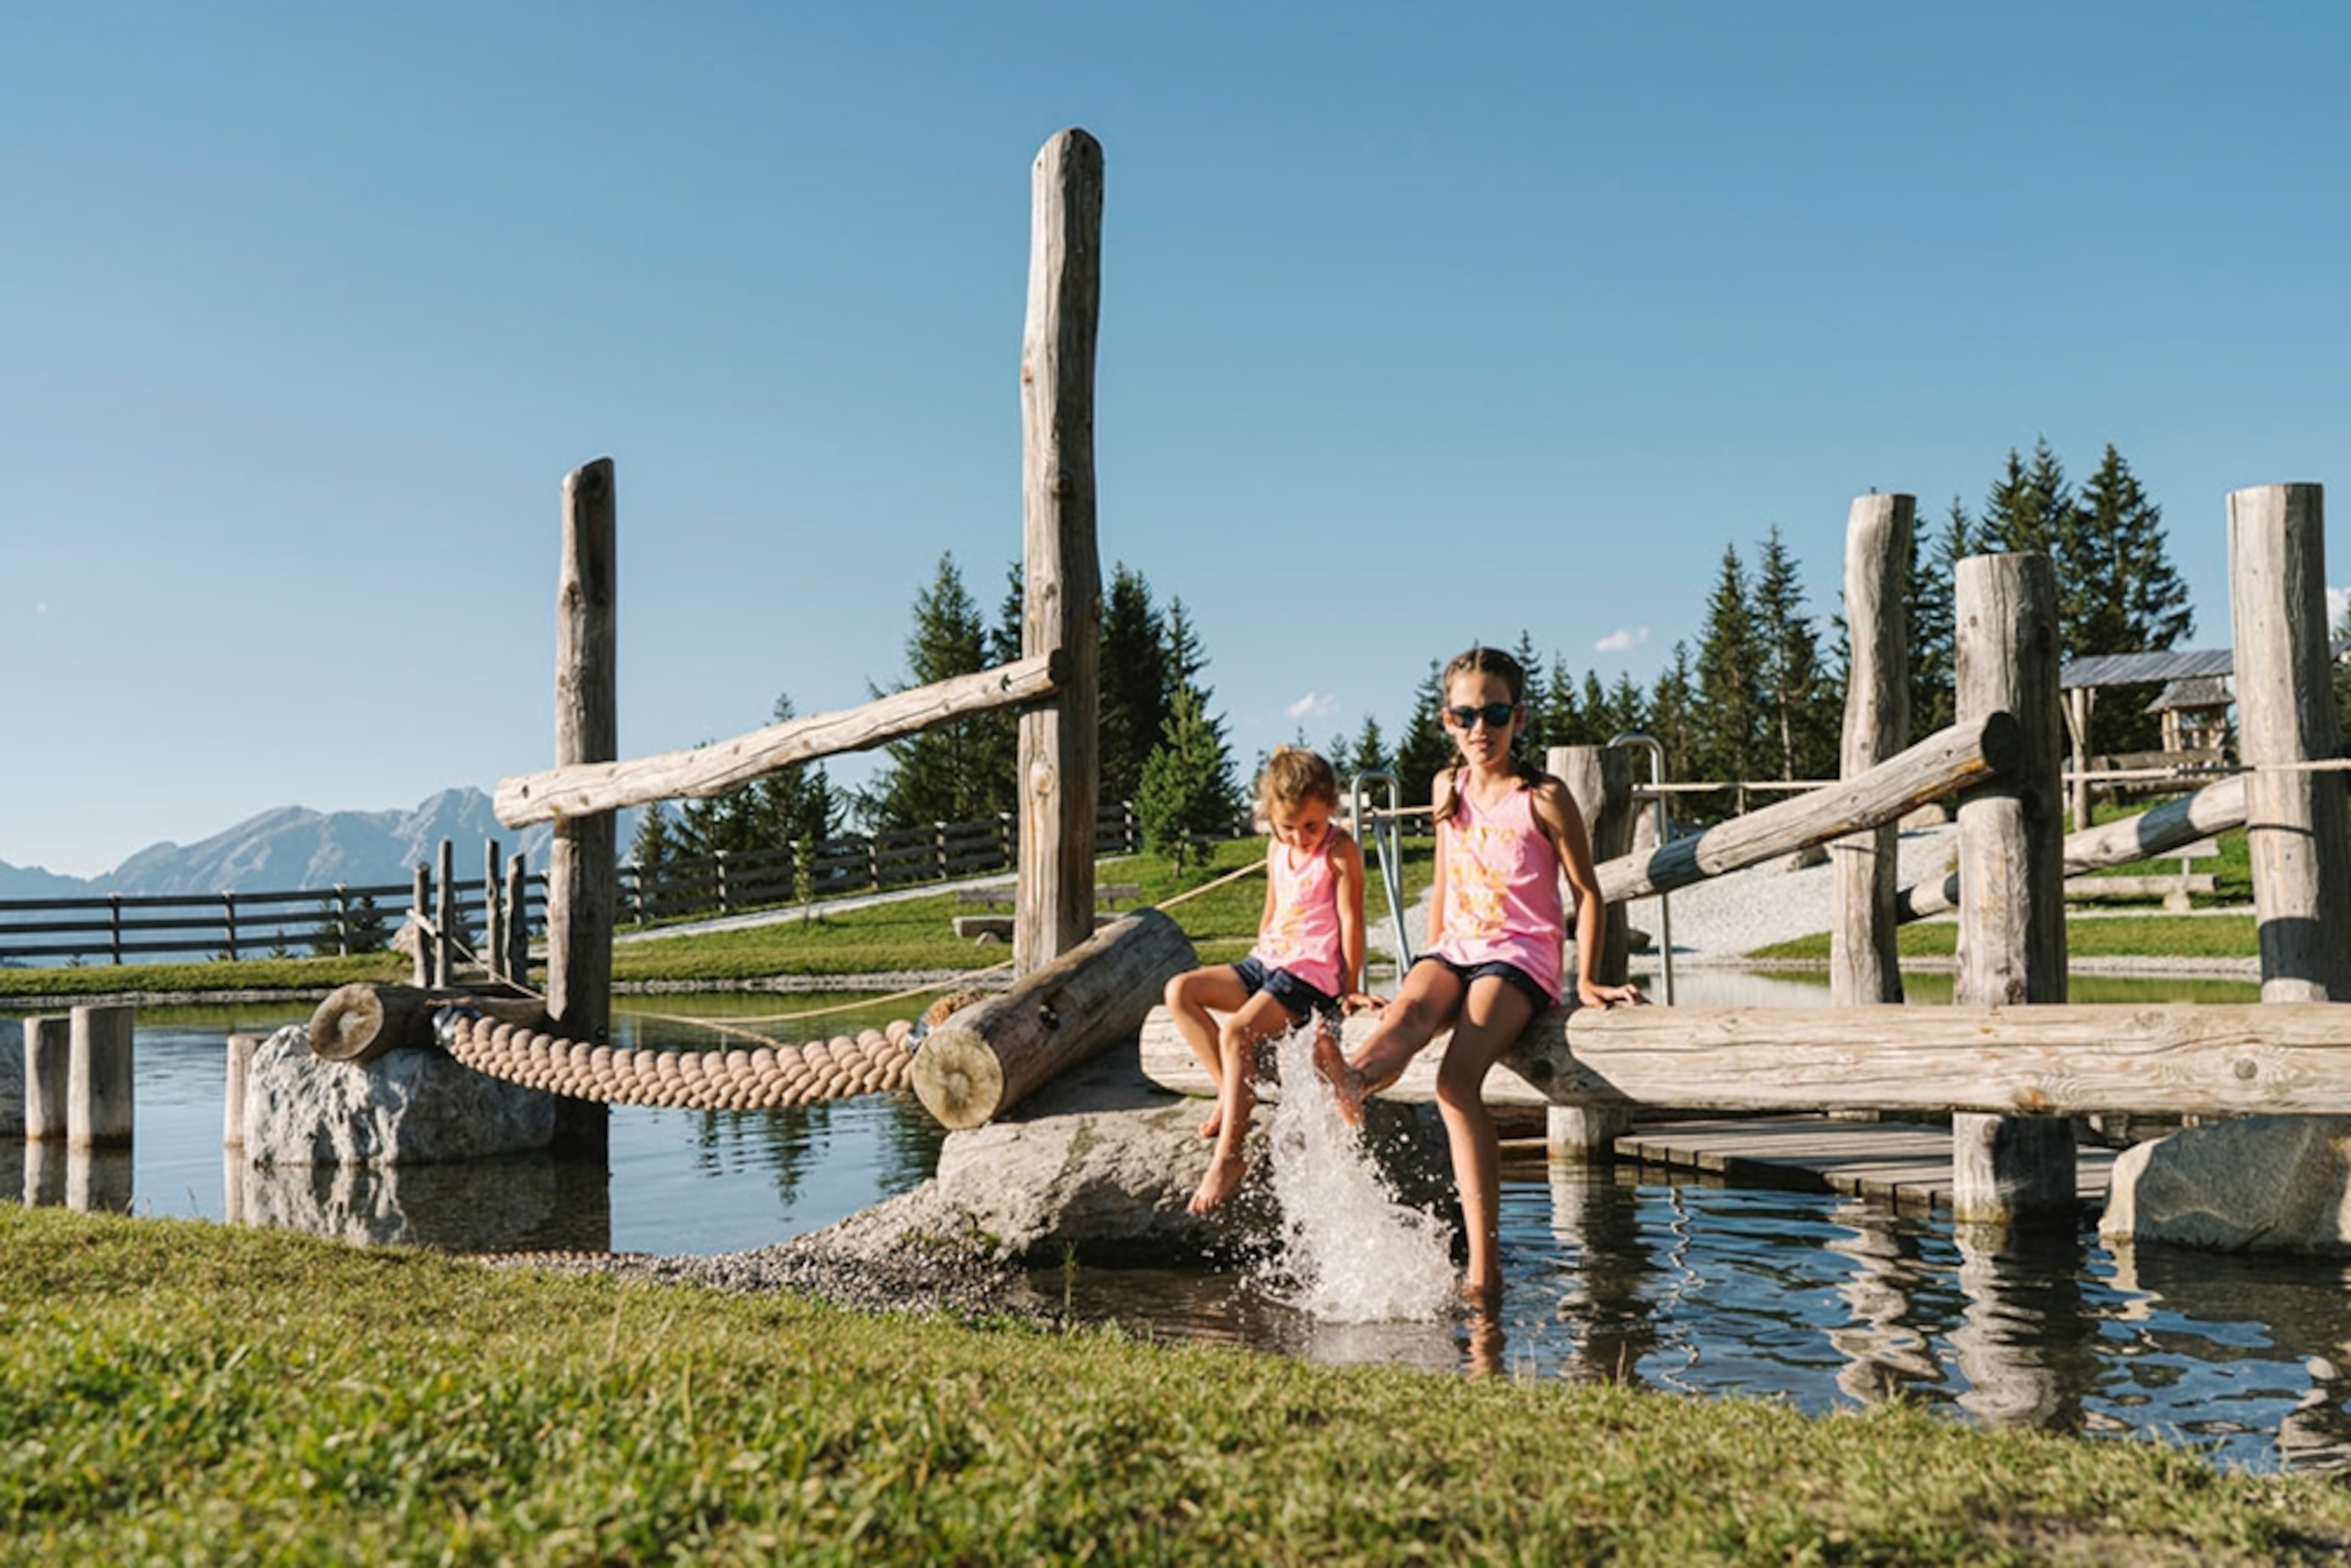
(1496, 714)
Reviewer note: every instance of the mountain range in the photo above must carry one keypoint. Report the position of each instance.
(295, 847)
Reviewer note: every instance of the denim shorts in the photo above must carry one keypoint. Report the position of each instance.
(1287, 988)
(1508, 972)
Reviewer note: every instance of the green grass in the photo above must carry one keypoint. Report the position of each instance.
(177, 1392)
(303, 974)
(2132, 937)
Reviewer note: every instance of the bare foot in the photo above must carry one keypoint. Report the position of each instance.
(1223, 1178)
(1214, 1124)
(1346, 1083)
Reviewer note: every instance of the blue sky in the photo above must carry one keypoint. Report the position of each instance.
(1421, 326)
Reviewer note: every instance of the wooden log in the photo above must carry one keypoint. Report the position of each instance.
(2171, 827)
(1061, 574)
(444, 913)
(98, 1078)
(360, 1021)
(1973, 749)
(2297, 825)
(983, 1061)
(241, 1048)
(2052, 1060)
(570, 791)
(2012, 937)
(1864, 964)
(48, 1066)
(582, 877)
(517, 927)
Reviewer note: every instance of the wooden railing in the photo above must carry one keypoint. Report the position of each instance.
(118, 928)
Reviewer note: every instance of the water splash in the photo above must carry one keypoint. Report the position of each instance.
(1347, 1250)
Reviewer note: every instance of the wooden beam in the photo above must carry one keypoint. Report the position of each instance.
(1966, 752)
(1060, 754)
(582, 875)
(2176, 823)
(2048, 1059)
(562, 793)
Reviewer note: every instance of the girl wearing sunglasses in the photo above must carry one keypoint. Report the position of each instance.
(1304, 970)
(1505, 833)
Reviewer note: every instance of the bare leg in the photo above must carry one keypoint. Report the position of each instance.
(1426, 1001)
(1189, 995)
(1259, 1017)
(1493, 1015)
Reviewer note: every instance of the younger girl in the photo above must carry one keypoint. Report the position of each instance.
(1505, 832)
(1305, 966)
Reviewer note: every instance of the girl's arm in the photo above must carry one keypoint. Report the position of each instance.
(1555, 810)
(1347, 884)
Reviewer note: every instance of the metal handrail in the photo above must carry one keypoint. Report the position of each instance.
(1386, 840)
(1656, 750)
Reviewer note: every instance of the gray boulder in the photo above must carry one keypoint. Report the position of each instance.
(2279, 1184)
(1099, 1166)
(406, 1107)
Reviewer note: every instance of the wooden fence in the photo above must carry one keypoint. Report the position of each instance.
(118, 928)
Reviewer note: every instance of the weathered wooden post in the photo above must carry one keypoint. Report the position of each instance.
(98, 1078)
(1864, 964)
(517, 927)
(419, 905)
(582, 868)
(2011, 940)
(1062, 577)
(444, 914)
(582, 876)
(494, 930)
(241, 1048)
(1600, 779)
(2296, 823)
(48, 1057)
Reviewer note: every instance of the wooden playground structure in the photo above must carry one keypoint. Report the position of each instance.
(2009, 1059)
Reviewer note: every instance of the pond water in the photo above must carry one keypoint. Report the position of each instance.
(1667, 1280)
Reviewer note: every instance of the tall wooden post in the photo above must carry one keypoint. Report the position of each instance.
(98, 1077)
(1864, 964)
(2297, 822)
(420, 904)
(444, 914)
(2012, 873)
(517, 926)
(49, 1060)
(582, 877)
(1061, 581)
(1600, 779)
(494, 931)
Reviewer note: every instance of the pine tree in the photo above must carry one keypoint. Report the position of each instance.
(1562, 717)
(2343, 674)
(1426, 748)
(1135, 688)
(1928, 609)
(2032, 508)
(954, 772)
(657, 839)
(1671, 702)
(1801, 710)
(1729, 732)
(1627, 707)
(1537, 731)
(1186, 790)
(1369, 751)
(2127, 597)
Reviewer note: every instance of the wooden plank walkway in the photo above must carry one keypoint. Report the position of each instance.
(1905, 1162)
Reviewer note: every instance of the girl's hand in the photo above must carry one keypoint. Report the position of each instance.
(1355, 1002)
(1598, 996)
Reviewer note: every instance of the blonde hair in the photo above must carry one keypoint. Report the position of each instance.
(1293, 775)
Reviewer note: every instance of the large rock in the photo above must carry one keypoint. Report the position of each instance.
(407, 1107)
(2259, 1183)
(12, 1080)
(1099, 1166)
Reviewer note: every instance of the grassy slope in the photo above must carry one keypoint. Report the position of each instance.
(171, 1391)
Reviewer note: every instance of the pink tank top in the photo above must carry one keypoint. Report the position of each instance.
(1501, 888)
(1303, 934)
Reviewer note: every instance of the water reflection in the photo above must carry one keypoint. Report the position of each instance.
(1602, 1274)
